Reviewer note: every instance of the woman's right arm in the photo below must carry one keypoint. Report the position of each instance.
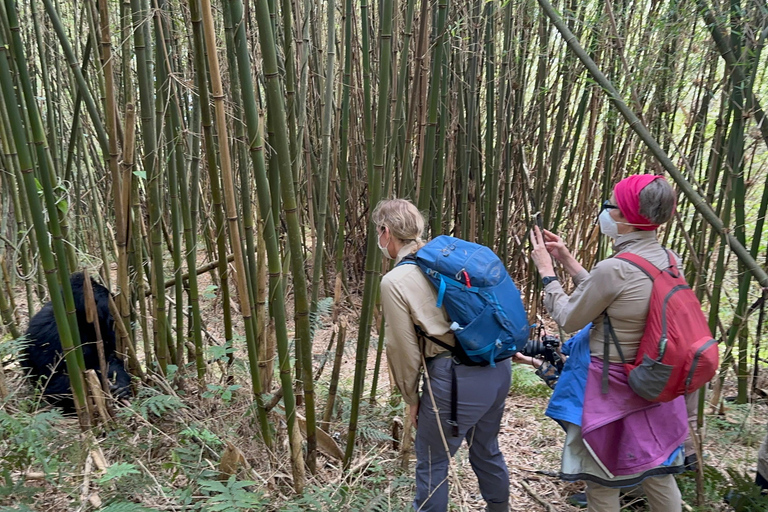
(403, 354)
(594, 293)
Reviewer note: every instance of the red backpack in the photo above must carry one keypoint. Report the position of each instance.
(677, 354)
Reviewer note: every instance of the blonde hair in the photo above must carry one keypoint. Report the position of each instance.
(404, 220)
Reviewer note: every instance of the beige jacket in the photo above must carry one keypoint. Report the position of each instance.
(615, 285)
(408, 298)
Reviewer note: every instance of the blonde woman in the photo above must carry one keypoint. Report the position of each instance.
(408, 300)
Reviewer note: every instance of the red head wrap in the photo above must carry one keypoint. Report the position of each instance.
(627, 194)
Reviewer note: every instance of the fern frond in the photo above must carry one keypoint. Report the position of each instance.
(324, 307)
(373, 434)
(117, 471)
(158, 405)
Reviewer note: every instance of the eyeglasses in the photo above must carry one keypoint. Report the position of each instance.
(608, 206)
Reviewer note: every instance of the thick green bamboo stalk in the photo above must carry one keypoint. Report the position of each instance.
(127, 164)
(47, 88)
(408, 187)
(290, 89)
(110, 115)
(344, 144)
(425, 192)
(190, 228)
(373, 255)
(143, 68)
(19, 206)
(404, 188)
(118, 188)
(163, 105)
(468, 169)
(441, 157)
(542, 72)
(46, 177)
(491, 170)
(322, 196)
(276, 293)
(276, 110)
(217, 92)
(74, 368)
(254, 350)
(693, 196)
(211, 165)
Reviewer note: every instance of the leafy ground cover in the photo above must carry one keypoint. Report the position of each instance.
(173, 446)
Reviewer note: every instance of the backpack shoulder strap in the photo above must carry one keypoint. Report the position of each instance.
(608, 335)
(643, 264)
(409, 259)
(421, 333)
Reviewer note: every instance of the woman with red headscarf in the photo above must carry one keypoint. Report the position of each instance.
(612, 460)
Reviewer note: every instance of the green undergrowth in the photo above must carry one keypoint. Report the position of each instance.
(526, 383)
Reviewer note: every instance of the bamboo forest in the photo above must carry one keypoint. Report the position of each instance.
(186, 203)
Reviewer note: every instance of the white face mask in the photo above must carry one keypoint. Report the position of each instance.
(608, 225)
(383, 248)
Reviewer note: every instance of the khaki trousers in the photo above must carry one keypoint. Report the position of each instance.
(660, 491)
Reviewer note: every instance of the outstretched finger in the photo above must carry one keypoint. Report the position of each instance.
(550, 236)
(535, 242)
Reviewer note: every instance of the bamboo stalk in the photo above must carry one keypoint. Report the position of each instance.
(373, 258)
(213, 174)
(217, 93)
(269, 238)
(141, 39)
(327, 112)
(74, 367)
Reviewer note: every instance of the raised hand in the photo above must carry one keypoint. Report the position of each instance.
(555, 246)
(540, 254)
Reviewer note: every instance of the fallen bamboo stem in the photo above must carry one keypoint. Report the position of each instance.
(536, 497)
(200, 270)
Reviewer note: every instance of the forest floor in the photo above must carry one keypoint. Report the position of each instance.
(163, 452)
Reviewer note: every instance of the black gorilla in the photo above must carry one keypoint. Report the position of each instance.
(43, 356)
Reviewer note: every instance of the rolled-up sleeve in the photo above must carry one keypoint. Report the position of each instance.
(403, 355)
(594, 292)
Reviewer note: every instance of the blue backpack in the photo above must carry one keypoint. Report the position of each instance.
(487, 315)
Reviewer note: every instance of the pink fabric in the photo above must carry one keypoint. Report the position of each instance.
(627, 433)
(627, 193)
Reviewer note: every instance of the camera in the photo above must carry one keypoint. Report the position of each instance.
(546, 347)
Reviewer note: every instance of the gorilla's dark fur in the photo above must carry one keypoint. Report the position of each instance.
(43, 356)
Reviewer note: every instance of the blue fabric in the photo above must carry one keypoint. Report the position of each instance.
(567, 401)
(674, 455)
(483, 303)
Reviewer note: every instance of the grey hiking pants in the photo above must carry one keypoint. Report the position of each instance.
(481, 393)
